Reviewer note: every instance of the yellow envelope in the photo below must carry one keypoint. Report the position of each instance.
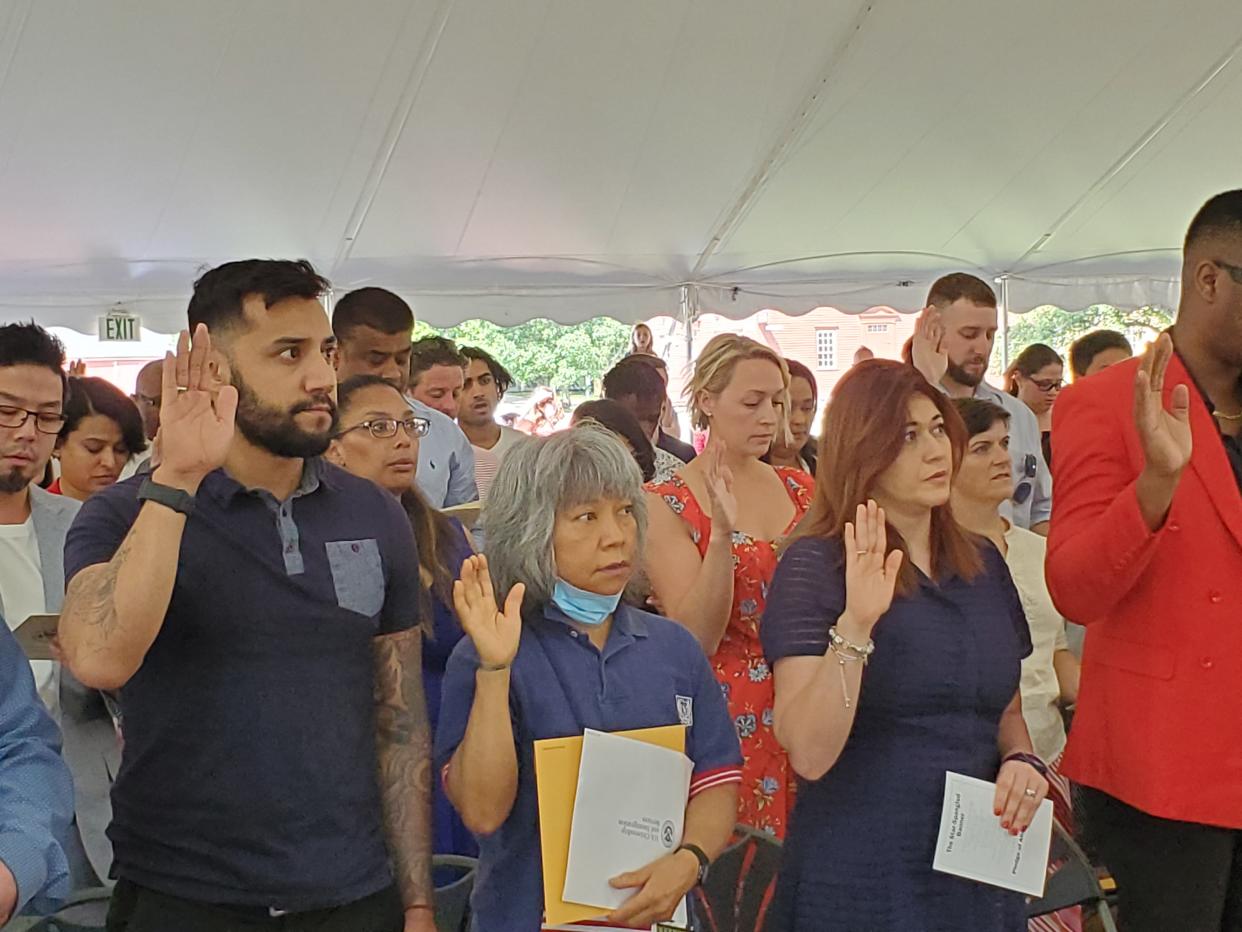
(556, 777)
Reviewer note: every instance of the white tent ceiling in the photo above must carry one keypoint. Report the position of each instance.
(568, 158)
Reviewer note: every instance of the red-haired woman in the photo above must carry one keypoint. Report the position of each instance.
(896, 641)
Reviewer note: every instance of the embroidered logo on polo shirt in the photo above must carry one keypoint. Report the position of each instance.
(685, 710)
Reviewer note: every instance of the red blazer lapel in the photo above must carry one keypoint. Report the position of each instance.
(1208, 459)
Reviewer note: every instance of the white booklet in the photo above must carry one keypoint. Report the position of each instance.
(972, 843)
(630, 810)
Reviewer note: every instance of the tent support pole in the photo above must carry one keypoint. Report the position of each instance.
(1003, 321)
(688, 313)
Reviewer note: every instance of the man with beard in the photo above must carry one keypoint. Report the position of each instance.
(258, 609)
(36, 796)
(33, 524)
(951, 347)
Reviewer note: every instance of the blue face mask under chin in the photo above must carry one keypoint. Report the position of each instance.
(586, 608)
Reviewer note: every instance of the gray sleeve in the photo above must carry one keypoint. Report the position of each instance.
(462, 487)
(1041, 495)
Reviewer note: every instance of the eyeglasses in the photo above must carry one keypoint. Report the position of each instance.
(383, 428)
(46, 422)
(1235, 271)
(1048, 385)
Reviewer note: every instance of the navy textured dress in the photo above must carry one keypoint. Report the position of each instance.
(947, 662)
(450, 835)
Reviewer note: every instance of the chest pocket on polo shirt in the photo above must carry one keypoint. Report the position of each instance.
(357, 575)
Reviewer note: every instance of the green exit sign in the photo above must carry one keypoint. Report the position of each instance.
(119, 328)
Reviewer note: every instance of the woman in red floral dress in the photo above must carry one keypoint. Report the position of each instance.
(711, 549)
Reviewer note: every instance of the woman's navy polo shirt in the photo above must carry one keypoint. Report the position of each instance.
(248, 775)
(652, 672)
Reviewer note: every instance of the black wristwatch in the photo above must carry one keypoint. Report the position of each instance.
(705, 862)
(177, 499)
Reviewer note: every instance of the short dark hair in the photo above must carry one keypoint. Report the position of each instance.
(433, 351)
(979, 415)
(28, 344)
(1220, 216)
(219, 292)
(1028, 362)
(500, 375)
(619, 420)
(88, 396)
(632, 376)
(648, 358)
(346, 390)
(377, 308)
(1082, 352)
(961, 285)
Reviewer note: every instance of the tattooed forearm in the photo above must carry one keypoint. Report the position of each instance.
(91, 597)
(404, 746)
(113, 611)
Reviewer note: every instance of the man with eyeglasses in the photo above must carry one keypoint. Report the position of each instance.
(1146, 551)
(951, 346)
(33, 525)
(147, 396)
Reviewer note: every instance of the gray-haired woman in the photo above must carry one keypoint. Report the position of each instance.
(565, 525)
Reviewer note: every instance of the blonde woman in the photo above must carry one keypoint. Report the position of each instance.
(712, 548)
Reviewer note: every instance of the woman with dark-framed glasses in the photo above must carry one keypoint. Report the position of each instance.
(378, 440)
(1035, 378)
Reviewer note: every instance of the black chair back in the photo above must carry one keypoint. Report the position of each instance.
(1072, 881)
(454, 878)
(740, 884)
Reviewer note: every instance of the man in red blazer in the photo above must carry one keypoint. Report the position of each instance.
(1146, 550)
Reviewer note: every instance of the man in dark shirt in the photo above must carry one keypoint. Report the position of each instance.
(639, 382)
(258, 610)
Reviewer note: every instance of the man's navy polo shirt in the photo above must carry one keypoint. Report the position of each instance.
(651, 672)
(249, 769)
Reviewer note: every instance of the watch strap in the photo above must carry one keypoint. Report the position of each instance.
(701, 856)
(178, 500)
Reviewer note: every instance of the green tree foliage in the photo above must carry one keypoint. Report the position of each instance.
(1059, 328)
(540, 352)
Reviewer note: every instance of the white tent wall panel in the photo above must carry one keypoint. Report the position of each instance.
(569, 158)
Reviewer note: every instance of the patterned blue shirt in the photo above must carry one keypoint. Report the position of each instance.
(445, 460)
(36, 790)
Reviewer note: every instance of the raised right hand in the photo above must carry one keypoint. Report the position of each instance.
(494, 633)
(719, 481)
(1164, 435)
(926, 350)
(870, 576)
(196, 425)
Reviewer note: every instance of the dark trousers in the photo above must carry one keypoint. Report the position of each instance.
(137, 909)
(1171, 876)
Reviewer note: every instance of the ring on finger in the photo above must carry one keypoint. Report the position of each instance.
(1030, 792)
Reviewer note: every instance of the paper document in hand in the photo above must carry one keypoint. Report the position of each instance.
(556, 780)
(36, 634)
(973, 845)
(629, 811)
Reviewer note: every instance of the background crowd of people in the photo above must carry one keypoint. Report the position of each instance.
(305, 553)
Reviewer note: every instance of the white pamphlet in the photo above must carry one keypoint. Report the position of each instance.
(630, 810)
(972, 843)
